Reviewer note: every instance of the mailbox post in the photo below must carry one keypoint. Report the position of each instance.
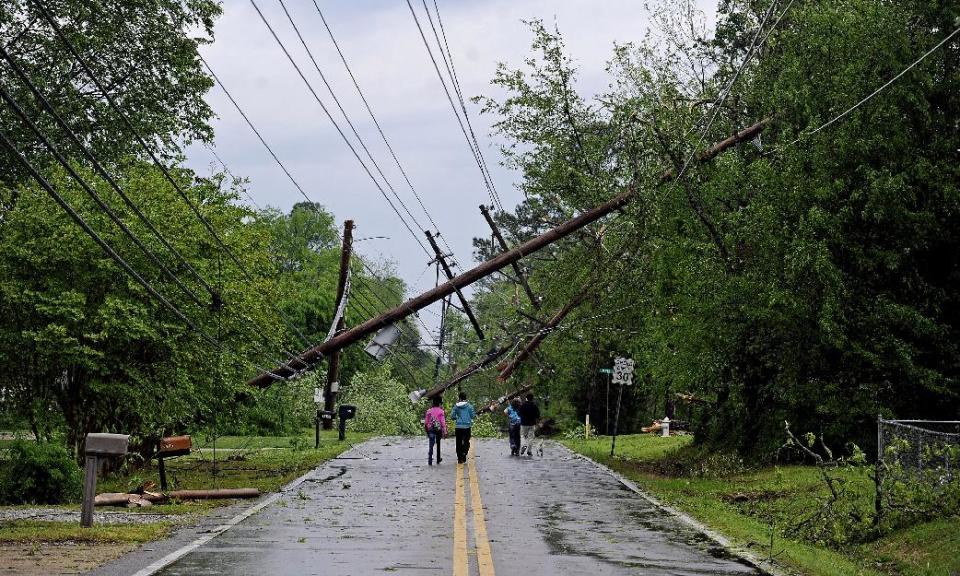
(171, 447)
(97, 446)
(345, 412)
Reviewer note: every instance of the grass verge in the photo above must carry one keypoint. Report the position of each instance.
(21, 531)
(262, 462)
(754, 507)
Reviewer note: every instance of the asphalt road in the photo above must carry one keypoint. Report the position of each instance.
(381, 509)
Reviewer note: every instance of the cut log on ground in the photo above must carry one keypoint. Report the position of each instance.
(149, 498)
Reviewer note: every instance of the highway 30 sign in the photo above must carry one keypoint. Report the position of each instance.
(623, 371)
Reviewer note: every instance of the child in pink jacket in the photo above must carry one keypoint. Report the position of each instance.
(435, 423)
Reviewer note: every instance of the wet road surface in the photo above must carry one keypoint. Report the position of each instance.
(380, 509)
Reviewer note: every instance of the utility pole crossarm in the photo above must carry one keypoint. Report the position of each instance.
(521, 278)
(442, 260)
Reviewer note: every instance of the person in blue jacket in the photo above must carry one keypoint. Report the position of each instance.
(463, 415)
(512, 412)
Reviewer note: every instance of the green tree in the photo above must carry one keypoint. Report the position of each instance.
(144, 52)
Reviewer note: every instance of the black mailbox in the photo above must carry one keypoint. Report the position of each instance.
(345, 412)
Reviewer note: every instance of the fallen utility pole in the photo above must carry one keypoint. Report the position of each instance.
(499, 401)
(347, 337)
(442, 260)
(540, 336)
(521, 278)
(467, 372)
(333, 368)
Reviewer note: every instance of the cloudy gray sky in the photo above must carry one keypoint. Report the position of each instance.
(383, 46)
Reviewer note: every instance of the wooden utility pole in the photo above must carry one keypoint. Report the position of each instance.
(442, 260)
(333, 368)
(540, 336)
(443, 332)
(467, 372)
(521, 278)
(313, 355)
(499, 401)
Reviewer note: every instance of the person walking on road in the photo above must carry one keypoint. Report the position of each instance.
(529, 415)
(512, 413)
(463, 415)
(435, 422)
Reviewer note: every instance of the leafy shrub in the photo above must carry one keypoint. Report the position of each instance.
(39, 473)
(382, 404)
(484, 427)
(579, 433)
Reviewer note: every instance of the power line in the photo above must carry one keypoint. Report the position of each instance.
(140, 139)
(376, 123)
(476, 157)
(346, 117)
(310, 202)
(108, 178)
(96, 197)
(98, 239)
(870, 96)
(105, 246)
(455, 81)
(726, 91)
(337, 126)
(101, 203)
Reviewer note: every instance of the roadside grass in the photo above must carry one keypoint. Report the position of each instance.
(21, 531)
(753, 507)
(262, 462)
(245, 464)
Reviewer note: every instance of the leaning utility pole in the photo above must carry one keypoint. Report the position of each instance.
(333, 368)
(313, 355)
(521, 277)
(539, 337)
(467, 372)
(442, 260)
(499, 401)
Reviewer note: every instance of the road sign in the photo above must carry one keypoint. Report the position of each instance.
(623, 371)
(606, 370)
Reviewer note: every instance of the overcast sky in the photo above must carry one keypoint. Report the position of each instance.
(383, 46)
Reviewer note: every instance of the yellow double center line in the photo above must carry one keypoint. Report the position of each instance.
(460, 558)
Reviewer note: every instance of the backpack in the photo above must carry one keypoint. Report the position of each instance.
(435, 425)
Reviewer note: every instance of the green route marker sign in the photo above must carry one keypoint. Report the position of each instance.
(606, 370)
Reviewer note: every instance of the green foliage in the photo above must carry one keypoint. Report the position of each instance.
(485, 427)
(811, 281)
(143, 51)
(740, 504)
(927, 488)
(382, 404)
(39, 473)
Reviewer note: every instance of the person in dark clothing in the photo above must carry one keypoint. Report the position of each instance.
(529, 415)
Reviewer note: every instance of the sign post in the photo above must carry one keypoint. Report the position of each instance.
(606, 419)
(622, 375)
